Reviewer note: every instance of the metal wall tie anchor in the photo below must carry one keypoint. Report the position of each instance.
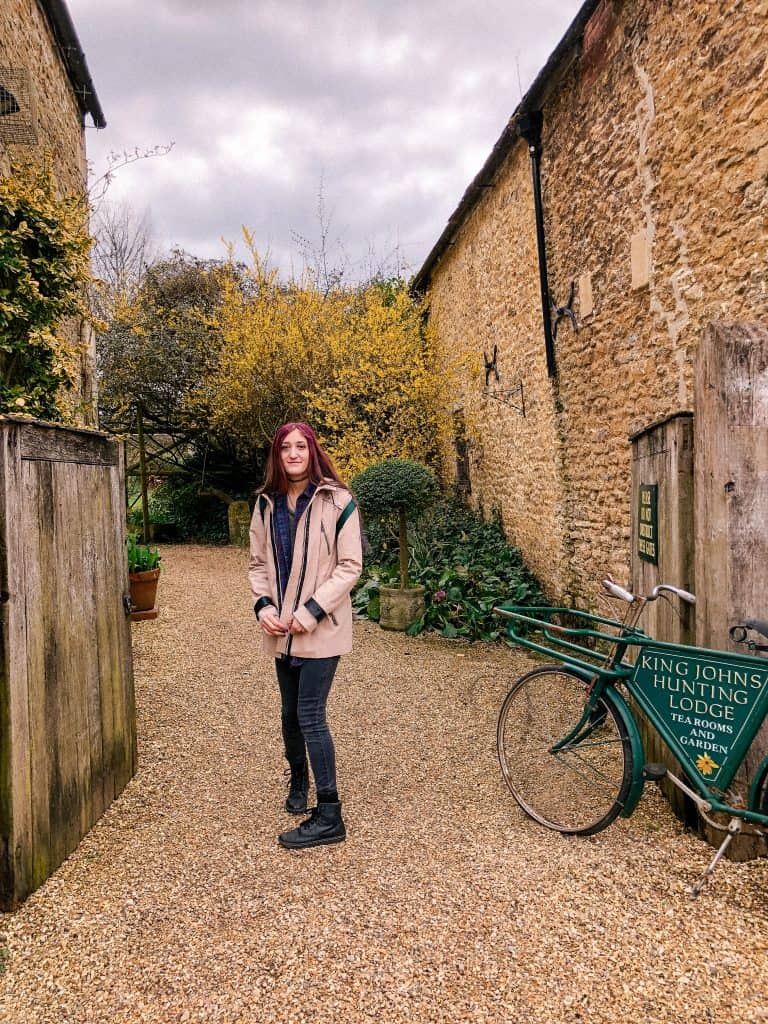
(561, 312)
(513, 397)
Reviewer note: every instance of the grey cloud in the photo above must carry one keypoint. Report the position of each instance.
(396, 104)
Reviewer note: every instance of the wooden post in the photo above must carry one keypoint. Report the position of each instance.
(663, 552)
(731, 389)
(239, 520)
(143, 472)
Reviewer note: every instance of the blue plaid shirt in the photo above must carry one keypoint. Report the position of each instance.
(283, 533)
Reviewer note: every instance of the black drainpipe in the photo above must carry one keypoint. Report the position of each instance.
(529, 128)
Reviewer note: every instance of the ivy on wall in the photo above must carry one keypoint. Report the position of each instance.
(44, 268)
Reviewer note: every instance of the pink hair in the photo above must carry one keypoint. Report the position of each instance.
(321, 465)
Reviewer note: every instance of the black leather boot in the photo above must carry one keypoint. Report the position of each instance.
(323, 827)
(297, 792)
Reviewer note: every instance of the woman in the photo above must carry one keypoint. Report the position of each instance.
(306, 555)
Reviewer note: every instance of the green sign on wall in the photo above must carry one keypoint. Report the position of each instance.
(648, 523)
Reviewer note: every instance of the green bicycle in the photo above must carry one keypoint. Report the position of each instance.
(569, 746)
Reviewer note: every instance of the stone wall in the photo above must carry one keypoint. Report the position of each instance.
(654, 172)
(26, 42)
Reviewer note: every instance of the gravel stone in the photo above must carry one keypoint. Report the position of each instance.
(445, 904)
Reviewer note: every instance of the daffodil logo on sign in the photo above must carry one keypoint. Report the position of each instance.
(705, 764)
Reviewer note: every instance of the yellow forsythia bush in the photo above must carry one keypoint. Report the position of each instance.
(359, 364)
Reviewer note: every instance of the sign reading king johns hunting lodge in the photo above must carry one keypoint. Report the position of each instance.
(712, 705)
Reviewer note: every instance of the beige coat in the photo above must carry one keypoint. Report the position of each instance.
(324, 570)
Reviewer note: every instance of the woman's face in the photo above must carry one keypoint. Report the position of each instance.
(294, 455)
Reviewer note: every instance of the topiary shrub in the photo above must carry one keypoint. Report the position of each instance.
(398, 487)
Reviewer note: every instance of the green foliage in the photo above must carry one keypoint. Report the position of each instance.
(159, 351)
(44, 249)
(141, 557)
(161, 346)
(178, 510)
(366, 599)
(466, 565)
(393, 485)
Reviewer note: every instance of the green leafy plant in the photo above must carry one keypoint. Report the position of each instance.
(44, 249)
(366, 599)
(180, 512)
(396, 487)
(141, 557)
(466, 566)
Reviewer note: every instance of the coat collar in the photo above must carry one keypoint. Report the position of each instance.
(324, 485)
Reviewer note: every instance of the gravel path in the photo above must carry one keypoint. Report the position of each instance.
(445, 903)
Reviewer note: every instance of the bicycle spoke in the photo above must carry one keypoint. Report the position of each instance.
(579, 787)
(591, 775)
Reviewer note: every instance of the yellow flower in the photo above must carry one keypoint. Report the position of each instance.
(705, 764)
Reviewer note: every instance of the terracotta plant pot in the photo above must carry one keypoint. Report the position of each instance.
(143, 591)
(400, 608)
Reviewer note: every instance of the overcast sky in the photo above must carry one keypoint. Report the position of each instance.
(393, 105)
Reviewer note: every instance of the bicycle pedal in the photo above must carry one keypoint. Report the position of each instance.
(654, 771)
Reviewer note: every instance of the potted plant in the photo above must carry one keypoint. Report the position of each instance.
(143, 574)
(403, 488)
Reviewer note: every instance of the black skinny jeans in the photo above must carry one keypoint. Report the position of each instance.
(304, 690)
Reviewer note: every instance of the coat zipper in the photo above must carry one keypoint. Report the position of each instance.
(303, 572)
(277, 563)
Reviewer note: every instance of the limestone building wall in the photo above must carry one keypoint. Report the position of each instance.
(27, 42)
(654, 172)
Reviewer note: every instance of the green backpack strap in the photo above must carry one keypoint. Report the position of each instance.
(346, 512)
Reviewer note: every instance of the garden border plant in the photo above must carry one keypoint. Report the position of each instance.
(466, 565)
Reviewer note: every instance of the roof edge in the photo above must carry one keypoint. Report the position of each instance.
(72, 55)
(543, 83)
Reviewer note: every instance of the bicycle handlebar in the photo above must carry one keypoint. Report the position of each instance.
(684, 595)
(616, 591)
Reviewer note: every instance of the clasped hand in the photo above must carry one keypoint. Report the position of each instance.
(271, 624)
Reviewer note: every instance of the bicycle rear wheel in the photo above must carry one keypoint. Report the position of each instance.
(761, 794)
(580, 788)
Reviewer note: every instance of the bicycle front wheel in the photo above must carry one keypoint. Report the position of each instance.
(579, 787)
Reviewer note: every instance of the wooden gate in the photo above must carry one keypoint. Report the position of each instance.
(67, 719)
(704, 481)
(731, 478)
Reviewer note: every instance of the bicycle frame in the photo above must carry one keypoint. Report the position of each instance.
(706, 705)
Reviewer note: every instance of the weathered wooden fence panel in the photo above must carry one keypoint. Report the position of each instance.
(731, 388)
(662, 461)
(67, 720)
